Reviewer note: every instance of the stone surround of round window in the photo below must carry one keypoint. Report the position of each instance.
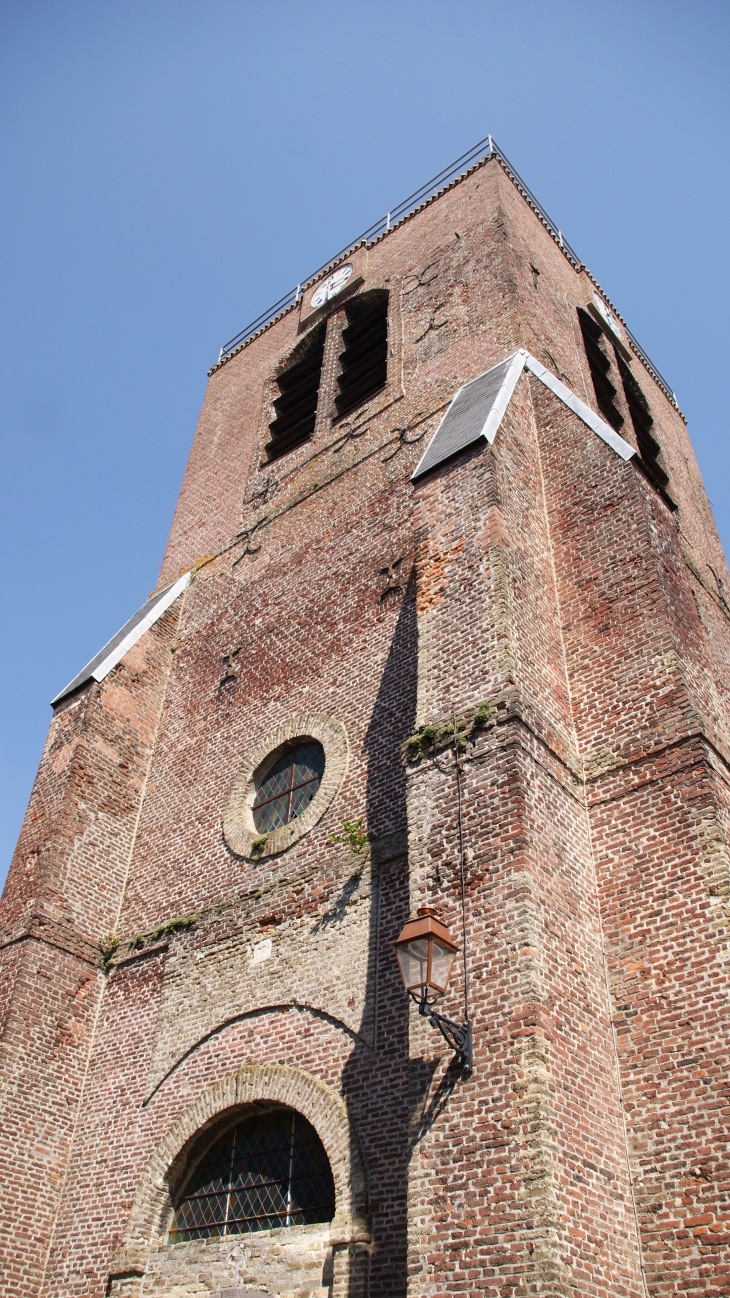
(285, 785)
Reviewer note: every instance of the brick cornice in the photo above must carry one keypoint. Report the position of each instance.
(41, 927)
(572, 766)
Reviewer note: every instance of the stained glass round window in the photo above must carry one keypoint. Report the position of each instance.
(288, 786)
(269, 1170)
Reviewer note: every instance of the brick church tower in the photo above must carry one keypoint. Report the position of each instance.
(442, 570)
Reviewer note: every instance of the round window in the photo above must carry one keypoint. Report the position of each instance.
(286, 788)
(285, 785)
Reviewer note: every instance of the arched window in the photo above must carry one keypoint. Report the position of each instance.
(287, 787)
(269, 1170)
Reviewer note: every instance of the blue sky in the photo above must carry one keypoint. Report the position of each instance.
(170, 169)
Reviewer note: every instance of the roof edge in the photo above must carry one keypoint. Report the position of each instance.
(376, 233)
(114, 650)
(517, 362)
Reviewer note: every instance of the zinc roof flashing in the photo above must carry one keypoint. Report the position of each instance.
(114, 650)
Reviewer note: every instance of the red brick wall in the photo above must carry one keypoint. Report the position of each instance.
(61, 898)
(644, 692)
(543, 574)
(548, 1151)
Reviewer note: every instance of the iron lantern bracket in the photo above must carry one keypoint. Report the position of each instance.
(456, 1035)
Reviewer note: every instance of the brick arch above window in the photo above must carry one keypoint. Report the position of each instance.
(239, 829)
(152, 1210)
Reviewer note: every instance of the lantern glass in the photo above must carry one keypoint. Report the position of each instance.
(413, 960)
(426, 955)
(442, 962)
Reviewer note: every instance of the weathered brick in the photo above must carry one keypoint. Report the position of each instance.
(587, 1152)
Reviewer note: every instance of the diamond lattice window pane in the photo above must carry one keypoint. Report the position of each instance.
(302, 797)
(270, 1170)
(300, 769)
(202, 1217)
(213, 1177)
(306, 1194)
(277, 781)
(308, 762)
(272, 814)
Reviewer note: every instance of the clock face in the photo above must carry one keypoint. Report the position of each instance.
(330, 287)
(608, 315)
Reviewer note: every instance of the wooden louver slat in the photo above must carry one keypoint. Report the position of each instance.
(364, 360)
(599, 350)
(296, 405)
(600, 367)
(641, 418)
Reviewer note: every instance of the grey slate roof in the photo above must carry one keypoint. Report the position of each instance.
(467, 417)
(115, 649)
(478, 407)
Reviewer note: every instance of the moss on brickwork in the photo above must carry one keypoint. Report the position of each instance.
(171, 926)
(108, 947)
(454, 733)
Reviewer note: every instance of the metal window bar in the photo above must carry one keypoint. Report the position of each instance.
(229, 1187)
(478, 154)
(291, 1170)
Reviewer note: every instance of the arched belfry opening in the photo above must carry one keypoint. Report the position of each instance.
(296, 404)
(364, 355)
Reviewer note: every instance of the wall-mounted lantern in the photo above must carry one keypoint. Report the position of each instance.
(426, 954)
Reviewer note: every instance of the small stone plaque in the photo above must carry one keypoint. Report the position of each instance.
(261, 952)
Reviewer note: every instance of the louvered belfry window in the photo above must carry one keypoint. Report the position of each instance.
(364, 359)
(269, 1170)
(600, 367)
(296, 405)
(641, 418)
(598, 351)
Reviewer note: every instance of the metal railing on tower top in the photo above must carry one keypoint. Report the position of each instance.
(479, 153)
